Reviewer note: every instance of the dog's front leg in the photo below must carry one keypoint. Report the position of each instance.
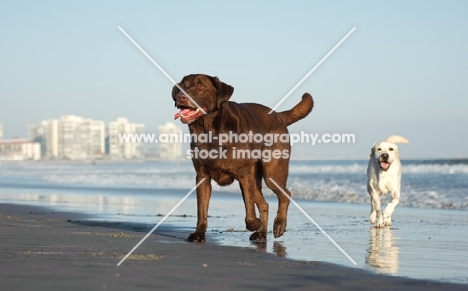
(376, 214)
(203, 201)
(387, 213)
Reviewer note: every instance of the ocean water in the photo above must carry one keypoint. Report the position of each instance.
(441, 184)
(427, 239)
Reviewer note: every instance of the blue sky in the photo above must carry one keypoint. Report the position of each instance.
(403, 70)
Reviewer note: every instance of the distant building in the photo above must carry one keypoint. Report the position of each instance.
(19, 150)
(1, 130)
(171, 150)
(45, 133)
(70, 137)
(119, 149)
(80, 138)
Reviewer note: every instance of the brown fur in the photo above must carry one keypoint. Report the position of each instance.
(223, 116)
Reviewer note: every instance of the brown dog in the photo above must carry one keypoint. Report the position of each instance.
(245, 161)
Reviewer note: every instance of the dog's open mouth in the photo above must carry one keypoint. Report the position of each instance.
(189, 115)
(384, 166)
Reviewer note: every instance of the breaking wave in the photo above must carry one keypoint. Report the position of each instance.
(431, 184)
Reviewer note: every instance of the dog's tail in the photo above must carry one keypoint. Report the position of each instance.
(396, 139)
(301, 110)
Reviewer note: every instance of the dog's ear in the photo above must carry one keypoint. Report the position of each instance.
(174, 94)
(224, 91)
(174, 91)
(372, 151)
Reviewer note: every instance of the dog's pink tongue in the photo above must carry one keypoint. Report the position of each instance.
(384, 165)
(181, 112)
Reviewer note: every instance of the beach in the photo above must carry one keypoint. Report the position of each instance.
(74, 222)
(44, 250)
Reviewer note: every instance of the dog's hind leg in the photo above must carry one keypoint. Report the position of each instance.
(279, 177)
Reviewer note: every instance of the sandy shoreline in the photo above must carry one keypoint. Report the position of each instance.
(45, 250)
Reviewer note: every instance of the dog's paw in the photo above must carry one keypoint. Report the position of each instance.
(379, 222)
(258, 237)
(196, 237)
(387, 213)
(279, 227)
(379, 225)
(387, 221)
(253, 224)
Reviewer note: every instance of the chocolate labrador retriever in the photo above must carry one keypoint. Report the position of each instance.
(238, 150)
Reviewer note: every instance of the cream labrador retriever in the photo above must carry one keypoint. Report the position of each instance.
(383, 176)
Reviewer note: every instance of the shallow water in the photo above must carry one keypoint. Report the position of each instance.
(422, 243)
(425, 184)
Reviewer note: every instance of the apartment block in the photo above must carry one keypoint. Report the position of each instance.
(80, 138)
(170, 150)
(70, 137)
(45, 133)
(118, 149)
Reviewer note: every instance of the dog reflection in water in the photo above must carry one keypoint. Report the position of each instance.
(278, 248)
(382, 255)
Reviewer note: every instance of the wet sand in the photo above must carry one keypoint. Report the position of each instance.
(427, 244)
(46, 250)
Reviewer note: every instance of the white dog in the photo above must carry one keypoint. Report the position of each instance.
(383, 176)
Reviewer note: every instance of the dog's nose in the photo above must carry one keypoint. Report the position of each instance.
(384, 156)
(181, 97)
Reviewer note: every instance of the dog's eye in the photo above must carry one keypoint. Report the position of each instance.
(390, 149)
(379, 149)
(200, 87)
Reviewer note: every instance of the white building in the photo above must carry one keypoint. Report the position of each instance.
(80, 138)
(45, 133)
(70, 137)
(19, 150)
(171, 150)
(119, 149)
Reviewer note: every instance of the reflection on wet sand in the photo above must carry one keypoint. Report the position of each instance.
(382, 255)
(278, 248)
